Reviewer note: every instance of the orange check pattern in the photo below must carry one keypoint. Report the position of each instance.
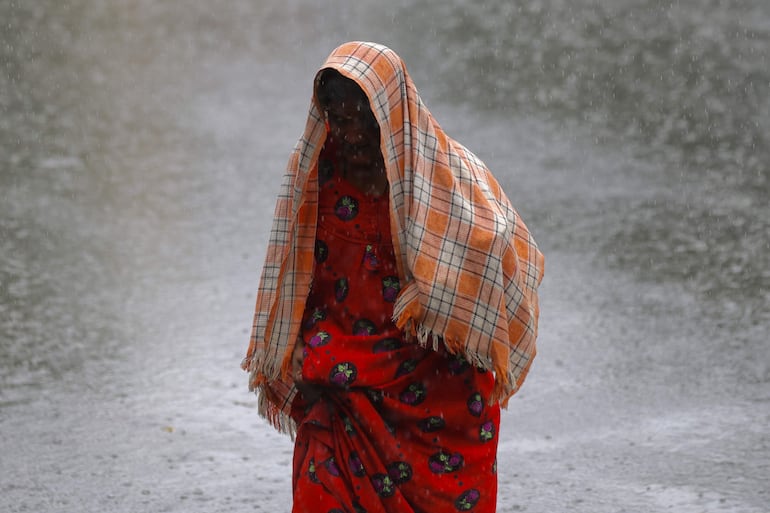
(468, 265)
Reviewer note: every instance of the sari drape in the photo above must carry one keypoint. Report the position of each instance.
(398, 428)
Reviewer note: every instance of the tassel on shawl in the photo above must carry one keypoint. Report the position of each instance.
(273, 395)
(406, 313)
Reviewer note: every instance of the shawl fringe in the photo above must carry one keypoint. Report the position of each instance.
(276, 416)
(406, 315)
(272, 394)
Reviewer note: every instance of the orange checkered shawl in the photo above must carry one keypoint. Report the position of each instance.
(469, 266)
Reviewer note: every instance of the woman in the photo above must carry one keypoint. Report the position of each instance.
(397, 309)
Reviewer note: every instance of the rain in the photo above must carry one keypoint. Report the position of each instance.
(141, 148)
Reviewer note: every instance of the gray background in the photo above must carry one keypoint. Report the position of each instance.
(141, 145)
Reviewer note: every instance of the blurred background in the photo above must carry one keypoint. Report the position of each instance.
(141, 147)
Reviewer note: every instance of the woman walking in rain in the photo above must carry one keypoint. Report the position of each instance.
(397, 309)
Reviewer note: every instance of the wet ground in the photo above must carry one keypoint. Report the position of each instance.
(141, 144)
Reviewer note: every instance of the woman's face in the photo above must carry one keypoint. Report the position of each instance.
(353, 126)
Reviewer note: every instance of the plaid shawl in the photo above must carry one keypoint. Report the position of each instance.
(469, 267)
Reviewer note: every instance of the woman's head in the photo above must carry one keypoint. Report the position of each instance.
(351, 124)
(333, 87)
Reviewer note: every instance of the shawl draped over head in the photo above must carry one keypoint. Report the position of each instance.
(468, 266)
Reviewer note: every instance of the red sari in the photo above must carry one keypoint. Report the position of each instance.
(398, 428)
